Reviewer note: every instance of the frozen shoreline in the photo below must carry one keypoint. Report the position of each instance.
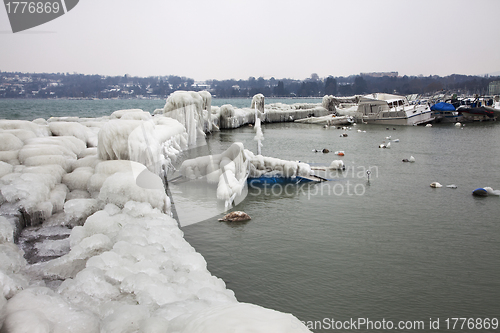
(125, 265)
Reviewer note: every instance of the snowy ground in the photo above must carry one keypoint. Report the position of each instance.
(87, 240)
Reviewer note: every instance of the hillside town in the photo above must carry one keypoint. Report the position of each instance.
(80, 86)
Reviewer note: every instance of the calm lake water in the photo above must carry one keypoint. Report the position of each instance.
(391, 248)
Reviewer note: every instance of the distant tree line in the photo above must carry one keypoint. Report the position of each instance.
(352, 85)
(60, 85)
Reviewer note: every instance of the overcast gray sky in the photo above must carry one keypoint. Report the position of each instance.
(224, 39)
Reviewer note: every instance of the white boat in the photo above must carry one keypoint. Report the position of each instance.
(388, 109)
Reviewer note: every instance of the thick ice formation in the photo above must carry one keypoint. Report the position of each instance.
(329, 120)
(279, 112)
(38, 130)
(125, 266)
(259, 135)
(227, 117)
(491, 191)
(231, 169)
(231, 117)
(337, 165)
(191, 109)
(64, 128)
(227, 318)
(329, 103)
(131, 114)
(258, 102)
(264, 166)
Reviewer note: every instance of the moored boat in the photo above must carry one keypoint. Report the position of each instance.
(388, 109)
(479, 109)
(445, 113)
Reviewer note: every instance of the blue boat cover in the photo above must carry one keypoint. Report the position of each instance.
(442, 106)
(480, 192)
(276, 180)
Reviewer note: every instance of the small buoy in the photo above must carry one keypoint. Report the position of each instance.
(324, 151)
(412, 159)
(457, 124)
(436, 185)
(339, 153)
(428, 125)
(250, 125)
(406, 160)
(236, 217)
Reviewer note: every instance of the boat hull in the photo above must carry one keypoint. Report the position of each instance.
(412, 120)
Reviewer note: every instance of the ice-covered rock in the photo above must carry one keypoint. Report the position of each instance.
(12, 264)
(131, 114)
(31, 190)
(129, 140)
(238, 317)
(128, 267)
(65, 142)
(59, 128)
(151, 143)
(5, 168)
(38, 130)
(78, 210)
(78, 179)
(122, 187)
(9, 142)
(22, 134)
(39, 309)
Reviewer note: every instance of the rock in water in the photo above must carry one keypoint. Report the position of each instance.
(236, 217)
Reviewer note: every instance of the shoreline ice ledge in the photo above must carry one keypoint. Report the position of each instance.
(125, 266)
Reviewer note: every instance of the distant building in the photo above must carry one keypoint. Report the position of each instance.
(200, 86)
(494, 88)
(380, 74)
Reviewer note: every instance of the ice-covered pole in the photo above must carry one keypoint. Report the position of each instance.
(259, 136)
